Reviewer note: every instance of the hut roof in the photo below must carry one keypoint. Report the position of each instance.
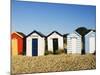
(39, 33)
(19, 34)
(54, 32)
(90, 30)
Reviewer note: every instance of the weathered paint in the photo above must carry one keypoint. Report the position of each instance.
(74, 43)
(50, 41)
(90, 42)
(41, 44)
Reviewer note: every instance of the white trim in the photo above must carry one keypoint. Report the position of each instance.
(77, 33)
(88, 33)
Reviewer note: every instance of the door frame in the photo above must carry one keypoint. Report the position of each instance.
(54, 48)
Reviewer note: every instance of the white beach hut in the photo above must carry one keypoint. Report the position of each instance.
(90, 42)
(35, 44)
(55, 41)
(74, 43)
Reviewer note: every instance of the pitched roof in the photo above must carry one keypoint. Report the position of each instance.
(75, 32)
(19, 34)
(54, 32)
(87, 32)
(90, 31)
(39, 33)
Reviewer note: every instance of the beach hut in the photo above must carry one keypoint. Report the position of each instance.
(74, 43)
(35, 44)
(17, 43)
(90, 42)
(55, 41)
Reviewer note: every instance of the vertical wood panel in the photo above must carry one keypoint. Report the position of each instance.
(14, 47)
(92, 44)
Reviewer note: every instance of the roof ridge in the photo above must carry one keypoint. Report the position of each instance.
(34, 31)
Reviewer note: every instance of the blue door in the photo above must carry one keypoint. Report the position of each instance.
(34, 47)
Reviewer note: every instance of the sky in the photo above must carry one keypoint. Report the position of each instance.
(48, 17)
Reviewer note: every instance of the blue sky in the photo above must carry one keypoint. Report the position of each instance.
(46, 17)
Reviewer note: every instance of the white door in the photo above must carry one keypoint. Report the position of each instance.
(74, 41)
(92, 44)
